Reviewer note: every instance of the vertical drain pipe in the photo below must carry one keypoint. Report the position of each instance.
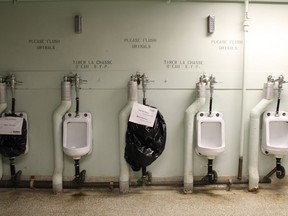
(57, 132)
(189, 130)
(244, 74)
(254, 134)
(123, 123)
(3, 106)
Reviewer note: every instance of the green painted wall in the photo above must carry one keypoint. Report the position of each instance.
(39, 46)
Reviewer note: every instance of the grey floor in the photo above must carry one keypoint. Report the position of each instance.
(269, 200)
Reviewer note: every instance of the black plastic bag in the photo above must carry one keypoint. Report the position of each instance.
(145, 144)
(14, 145)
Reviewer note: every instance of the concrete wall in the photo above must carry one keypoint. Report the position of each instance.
(172, 47)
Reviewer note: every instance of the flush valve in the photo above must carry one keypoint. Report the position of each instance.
(141, 79)
(281, 81)
(203, 79)
(212, 81)
(11, 82)
(145, 80)
(76, 80)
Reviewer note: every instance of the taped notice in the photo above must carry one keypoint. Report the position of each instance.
(11, 125)
(143, 115)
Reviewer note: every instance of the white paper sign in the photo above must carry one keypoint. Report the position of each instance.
(11, 125)
(143, 115)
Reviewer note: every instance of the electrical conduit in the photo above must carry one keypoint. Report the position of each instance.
(254, 135)
(244, 81)
(58, 114)
(3, 106)
(189, 130)
(123, 123)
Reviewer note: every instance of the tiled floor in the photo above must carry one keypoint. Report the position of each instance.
(270, 200)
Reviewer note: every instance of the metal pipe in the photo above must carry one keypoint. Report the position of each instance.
(123, 123)
(278, 165)
(228, 182)
(144, 86)
(280, 81)
(254, 143)
(77, 106)
(278, 105)
(189, 130)
(210, 170)
(12, 166)
(210, 105)
(212, 82)
(77, 80)
(48, 184)
(254, 136)
(280, 170)
(32, 183)
(266, 179)
(77, 168)
(144, 80)
(13, 106)
(11, 82)
(57, 135)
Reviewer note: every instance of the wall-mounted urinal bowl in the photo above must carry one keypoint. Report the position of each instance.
(210, 134)
(77, 134)
(275, 133)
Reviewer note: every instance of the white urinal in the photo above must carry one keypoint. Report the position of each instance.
(210, 134)
(77, 135)
(275, 134)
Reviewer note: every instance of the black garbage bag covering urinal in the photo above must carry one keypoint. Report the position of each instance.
(14, 145)
(145, 144)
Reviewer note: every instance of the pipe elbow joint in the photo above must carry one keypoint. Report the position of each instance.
(194, 107)
(259, 108)
(58, 154)
(254, 113)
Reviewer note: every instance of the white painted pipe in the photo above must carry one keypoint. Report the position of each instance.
(189, 130)
(3, 106)
(244, 91)
(123, 123)
(254, 136)
(57, 135)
